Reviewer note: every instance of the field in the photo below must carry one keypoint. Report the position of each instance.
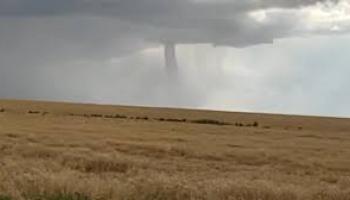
(61, 151)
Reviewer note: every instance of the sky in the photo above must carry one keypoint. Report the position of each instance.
(271, 56)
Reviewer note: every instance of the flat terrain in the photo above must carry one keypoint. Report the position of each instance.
(57, 151)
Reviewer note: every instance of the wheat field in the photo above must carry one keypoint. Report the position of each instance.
(61, 151)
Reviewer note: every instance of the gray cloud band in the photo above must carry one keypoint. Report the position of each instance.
(142, 7)
(217, 22)
(182, 21)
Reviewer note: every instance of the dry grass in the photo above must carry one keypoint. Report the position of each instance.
(81, 152)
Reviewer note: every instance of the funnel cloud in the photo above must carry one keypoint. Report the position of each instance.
(170, 57)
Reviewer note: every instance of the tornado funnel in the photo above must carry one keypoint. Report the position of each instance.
(170, 59)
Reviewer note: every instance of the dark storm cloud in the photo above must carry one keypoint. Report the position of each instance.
(142, 7)
(180, 21)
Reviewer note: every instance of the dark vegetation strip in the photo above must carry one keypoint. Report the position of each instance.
(59, 196)
(196, 121)
(33, 112)
(119, 116)
(210, 121)
(116, 116)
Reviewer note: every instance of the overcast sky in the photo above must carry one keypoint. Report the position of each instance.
(279, 56)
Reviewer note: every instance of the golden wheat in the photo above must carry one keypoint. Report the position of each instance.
(87, 152)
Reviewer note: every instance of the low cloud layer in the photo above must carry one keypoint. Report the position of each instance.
(182, 21)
